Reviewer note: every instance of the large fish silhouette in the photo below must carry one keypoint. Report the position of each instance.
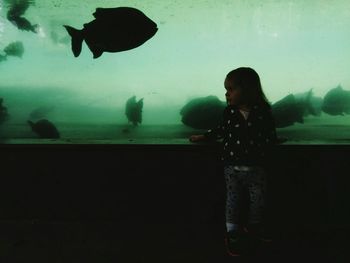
(336, 102)
(44, 129)
(133, 110)
(16, 11)
(203, 112)
(15, 49)
(113, 30)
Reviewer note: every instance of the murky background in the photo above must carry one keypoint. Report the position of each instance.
(294, 45)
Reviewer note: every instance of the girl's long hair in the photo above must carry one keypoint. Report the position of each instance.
(249, 82)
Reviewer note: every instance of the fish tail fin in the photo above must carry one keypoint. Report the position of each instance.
(309, 105)
(77, 39)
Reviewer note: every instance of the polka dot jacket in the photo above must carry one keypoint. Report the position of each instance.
(245, 141)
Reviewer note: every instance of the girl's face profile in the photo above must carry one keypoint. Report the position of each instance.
(232, 92)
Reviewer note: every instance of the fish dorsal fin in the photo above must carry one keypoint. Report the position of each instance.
(140, 103)
(111, 13)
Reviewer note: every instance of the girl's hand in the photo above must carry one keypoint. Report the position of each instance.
(197, 138)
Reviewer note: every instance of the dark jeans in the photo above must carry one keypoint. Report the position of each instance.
(245, 193)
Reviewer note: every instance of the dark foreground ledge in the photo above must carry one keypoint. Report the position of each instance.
(95, 181)
(99, 202)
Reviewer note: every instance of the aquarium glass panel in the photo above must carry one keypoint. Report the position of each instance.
(154, 72)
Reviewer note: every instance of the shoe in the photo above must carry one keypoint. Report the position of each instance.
(232, 243)
(260, 233)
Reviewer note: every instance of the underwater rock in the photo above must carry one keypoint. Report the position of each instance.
(41, 112)
(133, 110)
(336, 101)
(289, 110)
(3, 112)
(59, 40)
(57, 33)
(203, 113)
(15, 49)
(54, 37)
(45, 129)
(126, 130)
(17, 9)
(113, 30)
(3, 58)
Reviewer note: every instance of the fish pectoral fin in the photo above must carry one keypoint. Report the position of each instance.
(97, 52)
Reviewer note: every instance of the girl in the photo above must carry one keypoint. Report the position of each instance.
(248, 132)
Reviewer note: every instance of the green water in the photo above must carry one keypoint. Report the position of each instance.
(294, 46)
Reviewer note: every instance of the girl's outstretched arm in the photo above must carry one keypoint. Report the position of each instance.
(210, 135)
(215, 133)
